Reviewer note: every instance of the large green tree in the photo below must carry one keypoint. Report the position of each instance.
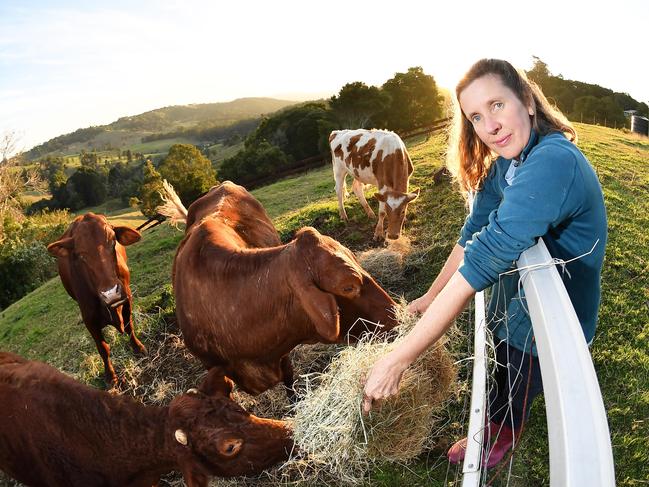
(89, 184)
(357, 104)
(300, 131)
(414, 100)
(255, 161)
(189, 171)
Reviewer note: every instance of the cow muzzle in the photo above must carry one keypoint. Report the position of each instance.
(113, 297)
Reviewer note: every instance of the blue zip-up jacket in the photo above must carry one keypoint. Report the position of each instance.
(554, 193)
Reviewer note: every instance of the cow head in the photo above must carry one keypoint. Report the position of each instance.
(213, 435)
(335, 290)
(395, 204)
(371, 311)
(94, 250)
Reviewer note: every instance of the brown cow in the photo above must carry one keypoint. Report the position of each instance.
(92, 265)
(57, 432)
(376, 157)
(244, 301)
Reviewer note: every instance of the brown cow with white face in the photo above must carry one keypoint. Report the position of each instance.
(376, 157)
(244, 300)
(93, 268)
(57, 432)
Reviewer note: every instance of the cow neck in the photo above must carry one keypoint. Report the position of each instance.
(398, 180)
(149, 439)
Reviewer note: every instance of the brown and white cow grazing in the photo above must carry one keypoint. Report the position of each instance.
(376, 157)
(92, 265)
(244, 300)
(57, 432)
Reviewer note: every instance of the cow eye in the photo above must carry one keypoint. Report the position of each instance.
(348, 289)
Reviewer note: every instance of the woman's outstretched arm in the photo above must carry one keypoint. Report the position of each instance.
(384, 377)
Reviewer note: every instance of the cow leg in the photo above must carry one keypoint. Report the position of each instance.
(287, 378)
(194, 479)
(378, 231)
(357, 187)
(127, 316)
(340, 175)
(104, 351)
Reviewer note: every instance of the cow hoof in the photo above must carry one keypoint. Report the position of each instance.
(378, 237)
(140, 349)
(112, 382)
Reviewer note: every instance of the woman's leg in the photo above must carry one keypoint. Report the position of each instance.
(515, 386)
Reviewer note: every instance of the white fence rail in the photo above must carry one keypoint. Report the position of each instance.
(472, 466)
(578, 434)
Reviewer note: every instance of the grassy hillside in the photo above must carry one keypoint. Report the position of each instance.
(127, 132)
(46, 324)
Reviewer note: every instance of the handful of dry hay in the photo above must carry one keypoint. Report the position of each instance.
(330, 430)
(385, 264)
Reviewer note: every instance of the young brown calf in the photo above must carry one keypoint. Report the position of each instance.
(244, 301)
(57, 432)
(92, 265)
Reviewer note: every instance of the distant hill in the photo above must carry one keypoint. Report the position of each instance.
(127, 131)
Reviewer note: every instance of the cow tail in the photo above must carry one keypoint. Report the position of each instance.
(172, 208)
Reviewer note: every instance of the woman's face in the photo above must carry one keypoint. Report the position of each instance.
(498, 117)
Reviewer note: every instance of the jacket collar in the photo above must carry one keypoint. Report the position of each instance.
(534, 136)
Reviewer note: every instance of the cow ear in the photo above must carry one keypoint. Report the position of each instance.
(381, 197)
(127, 235)
(412, 196)
(61, 248)
(322, 310)
(216, 383)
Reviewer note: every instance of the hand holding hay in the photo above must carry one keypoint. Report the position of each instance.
(330, 429)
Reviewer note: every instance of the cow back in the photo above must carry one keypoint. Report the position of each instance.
(376, 157)
(240, 210)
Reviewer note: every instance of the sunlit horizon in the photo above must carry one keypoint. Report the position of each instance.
(70, 64)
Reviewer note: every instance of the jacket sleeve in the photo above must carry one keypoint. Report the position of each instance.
(486, 200)
(541, 196)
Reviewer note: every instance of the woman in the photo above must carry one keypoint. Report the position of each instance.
(517, 151)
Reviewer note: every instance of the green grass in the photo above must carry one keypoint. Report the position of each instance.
(46, 324)
(117, 213)
(159, 146)
(219, 152)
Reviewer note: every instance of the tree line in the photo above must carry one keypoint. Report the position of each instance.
(406, 101)
(585, 102)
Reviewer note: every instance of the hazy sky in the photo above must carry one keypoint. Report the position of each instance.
(71, 64)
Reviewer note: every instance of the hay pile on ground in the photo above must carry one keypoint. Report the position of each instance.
(385, 264)
(337, 442)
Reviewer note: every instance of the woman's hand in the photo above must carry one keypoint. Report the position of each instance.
(383, 380)
(419, 305)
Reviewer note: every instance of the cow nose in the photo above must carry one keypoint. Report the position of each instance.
(112, 296)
